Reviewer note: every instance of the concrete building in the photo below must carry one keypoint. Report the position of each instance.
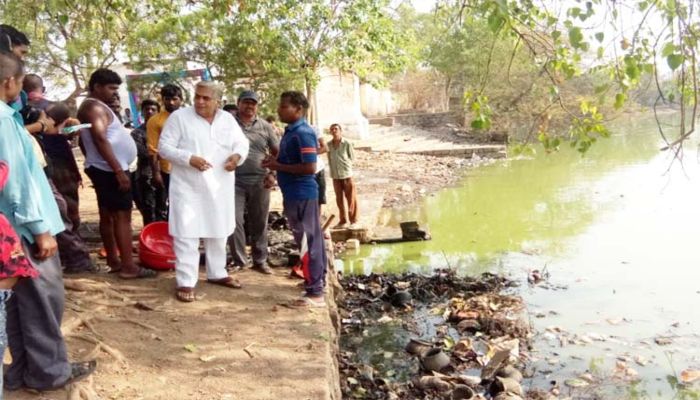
(341, 98)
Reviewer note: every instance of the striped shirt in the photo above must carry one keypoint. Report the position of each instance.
(298, 145)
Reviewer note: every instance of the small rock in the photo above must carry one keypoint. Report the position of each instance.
(641, 361)
(663, 341)
(470, 380)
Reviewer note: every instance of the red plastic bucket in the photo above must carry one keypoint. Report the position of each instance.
(156, 246)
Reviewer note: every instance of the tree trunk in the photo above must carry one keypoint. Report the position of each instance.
(311, 97)
(448, 84)
(71, 100)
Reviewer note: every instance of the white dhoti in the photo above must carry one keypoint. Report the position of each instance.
(187, 264)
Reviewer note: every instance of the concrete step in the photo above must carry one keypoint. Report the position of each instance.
(413, 140)
(492, 151)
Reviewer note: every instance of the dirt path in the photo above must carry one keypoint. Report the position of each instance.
(230, 344)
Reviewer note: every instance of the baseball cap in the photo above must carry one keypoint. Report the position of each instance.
(248, 95)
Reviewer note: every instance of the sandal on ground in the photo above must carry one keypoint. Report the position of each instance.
(263, 269)
(81, 370)
(89, 269)
(78, 372)
(102, 253)
(226, 282)
(185, 294)
(325, 291)
(141, 273)
(308, 302)
(231, 268)
(297, 272)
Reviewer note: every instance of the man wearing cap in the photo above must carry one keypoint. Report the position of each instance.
(253, 183)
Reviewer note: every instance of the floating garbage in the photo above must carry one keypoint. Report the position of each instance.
(451, 337)
(435, 360)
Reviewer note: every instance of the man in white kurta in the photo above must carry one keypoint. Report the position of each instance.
(204, 145)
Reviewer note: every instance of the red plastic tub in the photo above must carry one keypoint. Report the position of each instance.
(156, 247)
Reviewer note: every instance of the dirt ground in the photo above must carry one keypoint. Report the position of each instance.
(404, 178)
(230, 344)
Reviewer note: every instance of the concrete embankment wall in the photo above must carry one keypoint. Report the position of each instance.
(423, 120)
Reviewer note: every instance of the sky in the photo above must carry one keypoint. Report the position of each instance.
(423, 5)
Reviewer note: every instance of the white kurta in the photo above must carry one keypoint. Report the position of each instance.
(202, 204)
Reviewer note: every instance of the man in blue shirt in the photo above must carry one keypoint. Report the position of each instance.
(34, 312)
(296, 165)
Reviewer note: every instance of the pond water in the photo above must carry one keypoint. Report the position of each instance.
(618, 232)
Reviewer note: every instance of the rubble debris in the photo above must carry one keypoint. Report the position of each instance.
(438, 360)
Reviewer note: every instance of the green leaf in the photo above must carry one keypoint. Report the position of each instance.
(63, 19)
(620, 100)
(632, 68)
(502, 5)
(674, 61)
(495, 21)
(600, 36)
(554, 91)
(600, 52)
(575, 37)
(585, 107)
(668, 49)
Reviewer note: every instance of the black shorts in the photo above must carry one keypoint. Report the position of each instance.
(109, 197)
(321, 181)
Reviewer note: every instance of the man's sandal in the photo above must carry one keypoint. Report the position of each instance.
(185, 294)
(226, 282)
(78, 372)
(308, 302)
(141, 273)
